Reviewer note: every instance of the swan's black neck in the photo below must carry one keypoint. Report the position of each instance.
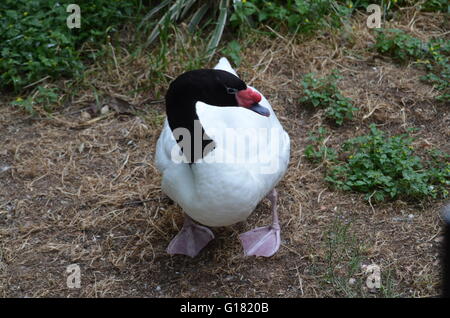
(208, 86)
(186, 117)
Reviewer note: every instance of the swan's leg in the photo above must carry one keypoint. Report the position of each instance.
(263, 241)
(191, 239)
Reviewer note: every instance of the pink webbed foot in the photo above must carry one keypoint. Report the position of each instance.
(263, 241)
(191, 239)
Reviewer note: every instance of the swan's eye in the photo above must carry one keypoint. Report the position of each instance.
(231, 90)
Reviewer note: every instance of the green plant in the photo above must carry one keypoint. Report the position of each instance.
(438, 67)
(36, 42)
(195, 11)
(298, 16)
(42, 96)
(401, 46)
(177, 51)
(232, 50)
(436, 5)
(305, 16)
(435, 55)
(387, 167)
(317, 151)
(428, 5)
(323, 93)
(439, 171)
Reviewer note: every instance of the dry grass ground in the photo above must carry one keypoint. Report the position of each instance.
(82, 190)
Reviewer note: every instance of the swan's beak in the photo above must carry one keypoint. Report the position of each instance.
(257, 108)
(250, 99)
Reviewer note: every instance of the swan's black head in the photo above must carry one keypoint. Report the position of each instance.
(213, 87)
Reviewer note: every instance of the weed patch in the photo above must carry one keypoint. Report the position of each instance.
(323, 93)
(435, 54)
(383, 167)
(36, 42)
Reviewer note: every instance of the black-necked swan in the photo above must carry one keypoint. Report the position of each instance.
(221, 151)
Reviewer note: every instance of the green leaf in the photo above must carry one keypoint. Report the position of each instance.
(197, 17)
(217, 34)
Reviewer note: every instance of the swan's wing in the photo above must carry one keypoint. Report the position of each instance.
(225, 65)
(216, 120)
(258, 142)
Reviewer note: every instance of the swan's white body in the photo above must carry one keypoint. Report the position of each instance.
(217, 192)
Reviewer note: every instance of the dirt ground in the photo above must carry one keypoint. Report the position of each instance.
(78, 189)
